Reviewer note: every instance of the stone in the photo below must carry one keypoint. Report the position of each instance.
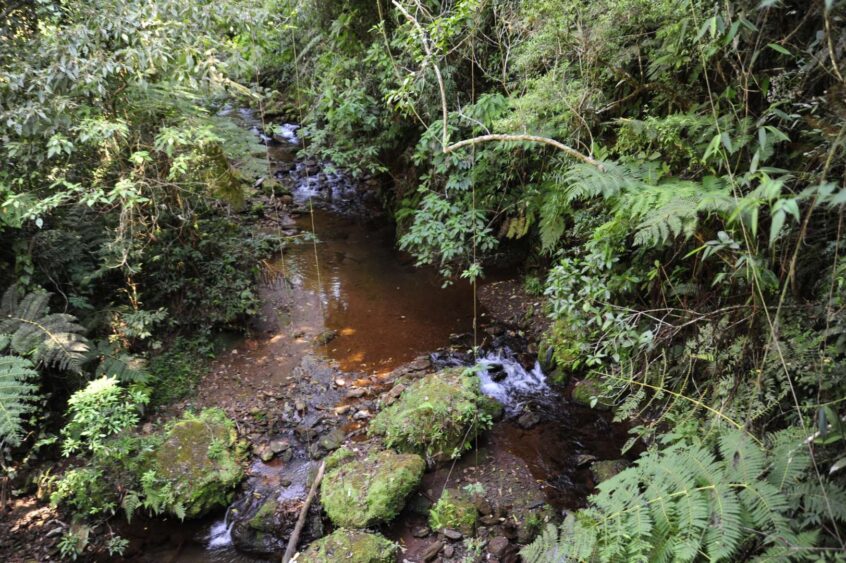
(325, 337)
(351, 546)
(434, 416)
(363, 414)
(449, 551)
(432, 550)
(451, 534)
(263, 529)
(201, 460)
(358, 493)
(584, 391)
(333, 440)
(356, 393)
(497, 546)
(528, 420)
(277, 446)
(604, 470)
(420, 532)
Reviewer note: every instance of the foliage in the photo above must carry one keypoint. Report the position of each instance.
(17, 391)
(687, 501)
(454, 510)
(29, 329)
(103, 408)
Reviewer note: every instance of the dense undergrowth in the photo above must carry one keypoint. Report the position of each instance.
(675, 166)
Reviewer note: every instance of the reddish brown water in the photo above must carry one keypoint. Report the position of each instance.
(384, 310)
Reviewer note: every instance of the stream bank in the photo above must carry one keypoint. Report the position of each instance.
(347, 323)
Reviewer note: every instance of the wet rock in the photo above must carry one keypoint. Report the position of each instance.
(342, 410)
(451, 534)
(356, 393)
(584, 459)
(528, 420)
(586, 390)
(420, 532)
(333, 440)
(278, 446)
(200, 459)
(325, 337)
(449, 551)
(435, 416)
(498, 546)
(352, 546)
(358, 493)
(432, 551)
(604, 470)
(264, 529)
(363, 414)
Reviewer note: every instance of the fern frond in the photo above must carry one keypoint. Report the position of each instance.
(117, 363)
(51, 339)
(17, 392)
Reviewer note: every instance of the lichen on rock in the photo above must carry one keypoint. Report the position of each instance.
(437, 416)
(361, 492)
(351, 546)
(586, 390)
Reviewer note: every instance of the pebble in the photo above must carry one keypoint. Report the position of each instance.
(363, 414)
(356, 393)
(449, 551)
(497, 546)
(451, 534)
(420, 532)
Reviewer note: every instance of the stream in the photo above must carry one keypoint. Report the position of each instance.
(342, 312)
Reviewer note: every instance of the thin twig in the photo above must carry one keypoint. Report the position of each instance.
(295, 535)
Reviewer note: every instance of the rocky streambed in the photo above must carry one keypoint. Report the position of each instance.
(363, 362)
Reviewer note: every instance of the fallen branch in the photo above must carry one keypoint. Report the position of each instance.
(295, 535)
(447, 148)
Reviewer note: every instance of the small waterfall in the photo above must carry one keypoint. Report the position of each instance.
(504, 379)
(220, 535)
(288, 131)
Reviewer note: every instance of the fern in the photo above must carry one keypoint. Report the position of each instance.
(130, 503)
(688, 502)
(117, 363)
(51, 339)
(16, 397)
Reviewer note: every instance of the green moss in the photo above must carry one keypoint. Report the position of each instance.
(437, 416)
(200, 460)
(351, 546)
(454, 510)
(586, 390)
(338, 458)
(361, 493)
(263, 519)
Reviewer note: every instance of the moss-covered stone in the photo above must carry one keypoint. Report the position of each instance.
(604, 470)
(199, 460)
(584, 391)
(351, 546)
(437, 416)
(455, 510)
(264, 528)
(365, 492)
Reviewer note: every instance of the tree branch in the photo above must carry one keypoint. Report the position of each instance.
(447, 148)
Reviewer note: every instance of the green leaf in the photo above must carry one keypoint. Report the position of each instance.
(778, 48)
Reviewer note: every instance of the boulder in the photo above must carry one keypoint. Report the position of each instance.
(584, 391)
(437, 416)
(362, 492)
(351, 546)
(264, 528)
(200, 462)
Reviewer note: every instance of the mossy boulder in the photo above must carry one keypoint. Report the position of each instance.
(437, 416)
(604, 470)
(586, 390)
(351, 546)
(199, 462)
(264, 529)
(357, 493)
(455, 509)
